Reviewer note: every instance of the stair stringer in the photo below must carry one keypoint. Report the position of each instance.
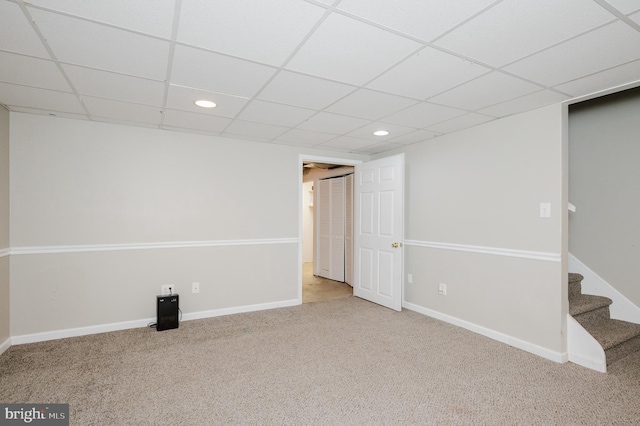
(621, 308)
(583, 349)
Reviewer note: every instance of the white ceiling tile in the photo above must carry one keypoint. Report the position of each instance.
(394, 130)
(270, 30)
(350, 51)
(190, 130)
(379, 148)
(183, 98)
(414, 137)
(190, 120)
(103, 47)
(16, 33)
(305, 137)
(301, 90)
(484, 91)
(423, 114)
(332, 123)
(246, 138)
(603, 80)
(107, 108)
(300, 143)
(418, 18)
(103, 84)
(258, 130)
(278, 114)
(116, 57)
(511, 30)
(337, 150)
(427, 73)
(459, 123)
(347, 143)
(147, 16)
(30, 71)
(370, 104)
(125, 122)
(218, 73)
(58, 114)
(606, 47)
(30, 97)
(525, 103)
(625, 6)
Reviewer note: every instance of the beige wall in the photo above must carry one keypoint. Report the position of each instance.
(82, 184)
(4, 228)
(78, 184)
(479, 189)
(604, 233)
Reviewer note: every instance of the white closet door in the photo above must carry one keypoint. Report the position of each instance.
(336, 271)
(323, 217)
(348, 231)
(331, 224)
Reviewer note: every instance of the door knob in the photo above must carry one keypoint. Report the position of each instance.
(395, 245)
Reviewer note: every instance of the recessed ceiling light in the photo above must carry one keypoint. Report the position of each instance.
(381, 133)
(206, 104)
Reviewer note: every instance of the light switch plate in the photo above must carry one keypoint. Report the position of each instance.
(545, 209)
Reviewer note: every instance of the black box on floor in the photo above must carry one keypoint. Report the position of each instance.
(167, 312)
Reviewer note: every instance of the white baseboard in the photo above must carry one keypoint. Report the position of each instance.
(492, 334)
(104, 328)
(81, 331)
(5, 345)
(239, 310)
(621, 308)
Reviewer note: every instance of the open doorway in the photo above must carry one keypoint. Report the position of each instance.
(316, 249)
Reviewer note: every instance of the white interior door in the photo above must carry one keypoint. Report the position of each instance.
(379, 231)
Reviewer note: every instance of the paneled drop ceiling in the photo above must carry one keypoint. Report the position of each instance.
(311, 73)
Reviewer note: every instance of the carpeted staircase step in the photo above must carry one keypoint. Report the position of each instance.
(618, 338)
(575, 285)
(588, 309)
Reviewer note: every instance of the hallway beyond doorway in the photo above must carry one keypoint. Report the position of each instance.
(317, 289)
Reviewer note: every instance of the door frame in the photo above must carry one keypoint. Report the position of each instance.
(302, 158)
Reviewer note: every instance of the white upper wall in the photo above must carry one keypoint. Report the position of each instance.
(484, 185)
(79, 182)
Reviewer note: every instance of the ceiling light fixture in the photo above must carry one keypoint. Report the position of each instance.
(381, 133)
(206, 104)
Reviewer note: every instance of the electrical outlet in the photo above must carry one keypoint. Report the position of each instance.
(442, 289)
(167, 289)
(409, 278)
(195, 287)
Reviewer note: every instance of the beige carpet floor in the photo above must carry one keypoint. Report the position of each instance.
(341, 362)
